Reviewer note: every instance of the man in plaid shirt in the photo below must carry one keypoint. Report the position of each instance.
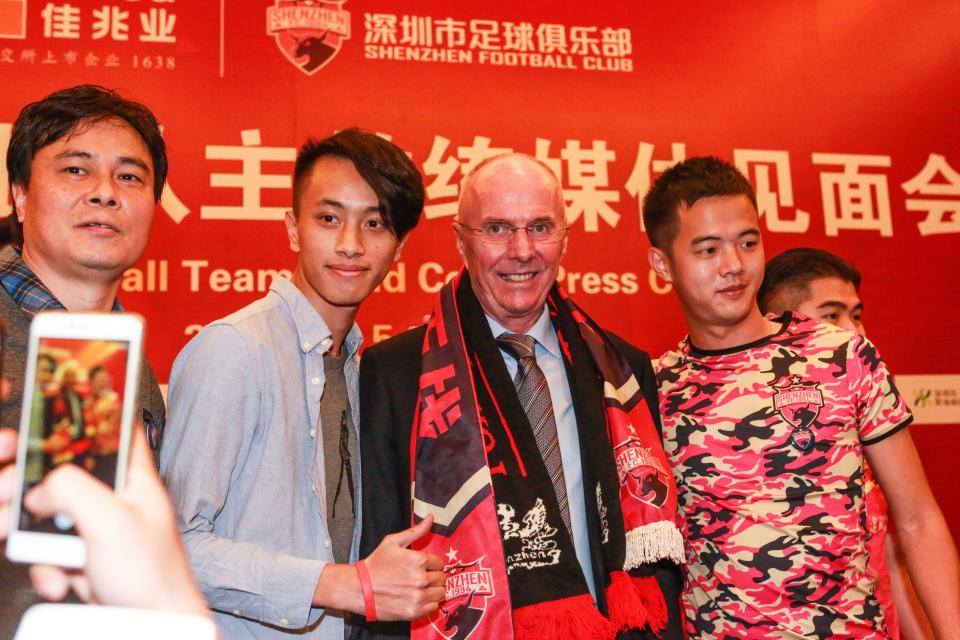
(86, 169)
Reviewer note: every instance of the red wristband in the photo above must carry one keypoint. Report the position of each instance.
(368, 604)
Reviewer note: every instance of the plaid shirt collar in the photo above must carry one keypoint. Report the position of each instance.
(25, 287)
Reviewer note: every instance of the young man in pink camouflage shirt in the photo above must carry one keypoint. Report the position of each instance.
(767, 425)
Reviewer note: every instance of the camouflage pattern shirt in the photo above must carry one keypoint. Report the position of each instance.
(766, 442)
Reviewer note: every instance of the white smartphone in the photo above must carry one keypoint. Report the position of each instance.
(79, 395)
(94, 622)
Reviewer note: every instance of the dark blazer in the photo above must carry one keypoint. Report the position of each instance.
(389, 386)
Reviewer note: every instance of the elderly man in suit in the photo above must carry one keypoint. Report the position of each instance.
(531, 435)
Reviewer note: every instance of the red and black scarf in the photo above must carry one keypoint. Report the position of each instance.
(511, 567)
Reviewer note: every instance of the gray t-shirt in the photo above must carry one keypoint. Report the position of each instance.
(339, 456)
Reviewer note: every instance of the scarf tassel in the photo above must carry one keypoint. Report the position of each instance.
(636, 602)
(574, 618)
(651, 542)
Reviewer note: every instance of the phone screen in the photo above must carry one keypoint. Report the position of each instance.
(75, 415)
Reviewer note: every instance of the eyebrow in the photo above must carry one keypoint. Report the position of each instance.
(839, 305)
(336, 204)
(70, 153)
(749, 232)
(85, 155)
(137, 162)
(500, 220)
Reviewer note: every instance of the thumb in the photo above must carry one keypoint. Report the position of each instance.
(8, 445)
(71, 490)
(408, 536)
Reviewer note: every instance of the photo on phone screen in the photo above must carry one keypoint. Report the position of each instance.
(75, 415)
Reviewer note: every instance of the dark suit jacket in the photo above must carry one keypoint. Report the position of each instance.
(389, 385)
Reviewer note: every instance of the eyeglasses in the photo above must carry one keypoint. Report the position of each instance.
(503, 232)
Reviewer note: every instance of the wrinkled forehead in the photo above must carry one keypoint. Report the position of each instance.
(514, 189)
(122, 137)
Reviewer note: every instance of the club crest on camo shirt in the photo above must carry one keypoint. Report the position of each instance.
(309, 33)
(798, 403)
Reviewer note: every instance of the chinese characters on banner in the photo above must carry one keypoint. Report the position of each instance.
(89, 37)
(855, 194)
(544, 45)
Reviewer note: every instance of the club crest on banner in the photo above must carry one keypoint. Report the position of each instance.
(469, 584)
(798, 402)
(641, 473)
(309, 33)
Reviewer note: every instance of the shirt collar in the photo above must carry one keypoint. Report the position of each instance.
(26, 289)
(542, 331)
(312, 330)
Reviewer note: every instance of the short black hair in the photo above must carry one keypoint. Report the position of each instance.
(682, 185)
(11, 231)
(383, 165)
(71, 111)
(49, 358)
(790, 273)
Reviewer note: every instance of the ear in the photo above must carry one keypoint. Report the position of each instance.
(563, 248)
(458, 234)
(19, 200)
(660, 263)
(290, 220)
(396, 254)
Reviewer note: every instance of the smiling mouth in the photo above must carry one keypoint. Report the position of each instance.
(517, 277)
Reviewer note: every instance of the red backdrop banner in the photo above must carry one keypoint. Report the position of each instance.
(843, 116)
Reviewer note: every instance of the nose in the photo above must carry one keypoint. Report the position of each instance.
(350, 240)
(848, 323)
(521, 246)
(731, 263)
(103, 193)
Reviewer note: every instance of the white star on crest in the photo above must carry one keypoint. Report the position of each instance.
(795, 380)
(452, 555)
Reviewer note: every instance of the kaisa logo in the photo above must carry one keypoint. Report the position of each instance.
(309, 33)
(13, 19)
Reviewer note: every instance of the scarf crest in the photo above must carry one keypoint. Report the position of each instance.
(511, 567)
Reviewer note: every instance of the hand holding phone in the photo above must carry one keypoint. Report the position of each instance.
(8, 452)
(78, 406)
(134, 554)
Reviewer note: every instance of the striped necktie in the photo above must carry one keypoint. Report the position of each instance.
(535, 398)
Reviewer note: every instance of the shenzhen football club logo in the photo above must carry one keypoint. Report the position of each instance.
(641, 473)
(799, 404)
(309, 33)
(469, 584)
